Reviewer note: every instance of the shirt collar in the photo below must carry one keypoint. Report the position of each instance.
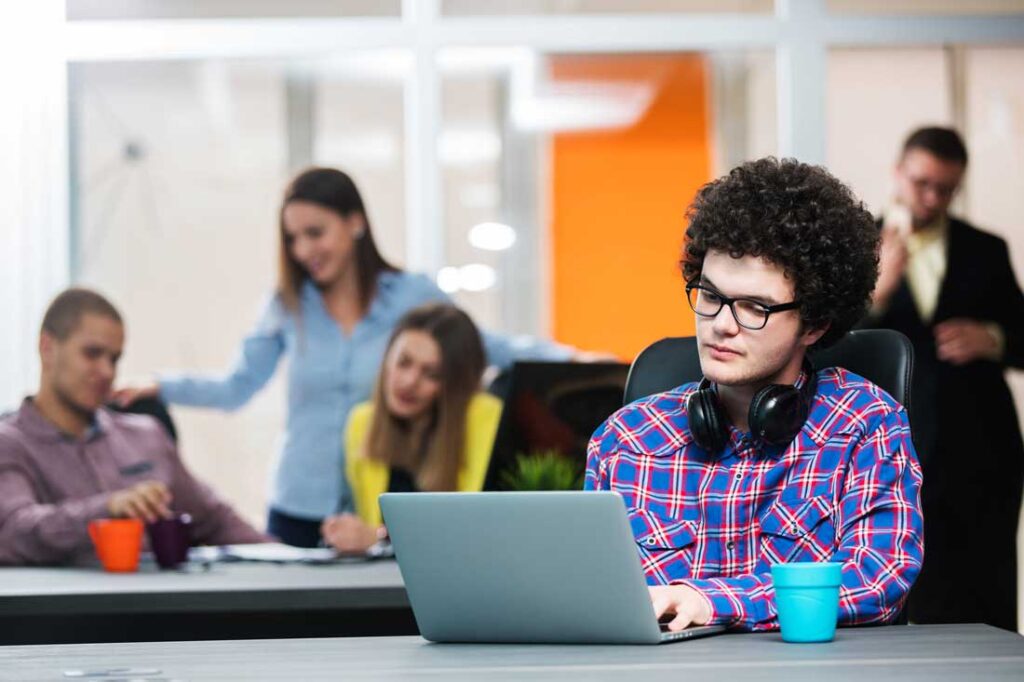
(382, 297)
(34, 423)
(929, 234)
(738, 439)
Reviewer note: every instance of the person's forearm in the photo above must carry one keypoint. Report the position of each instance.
(226, 393)
(47, 533)
(873, 591)
(256, 362)
(744, 601)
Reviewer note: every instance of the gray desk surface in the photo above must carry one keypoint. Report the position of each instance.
(227, 601)
(224, 587)
(925, 652)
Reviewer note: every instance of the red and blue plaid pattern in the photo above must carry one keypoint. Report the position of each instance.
(847, 489)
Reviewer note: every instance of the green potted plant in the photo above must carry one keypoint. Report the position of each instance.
(543, 470)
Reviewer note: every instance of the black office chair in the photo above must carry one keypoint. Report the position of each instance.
(155, 408)
(882, 356)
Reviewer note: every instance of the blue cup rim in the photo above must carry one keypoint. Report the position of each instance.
(807, 574)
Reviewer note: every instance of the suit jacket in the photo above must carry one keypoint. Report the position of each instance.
(964, 421)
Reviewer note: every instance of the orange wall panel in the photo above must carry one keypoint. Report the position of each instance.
(618, 201)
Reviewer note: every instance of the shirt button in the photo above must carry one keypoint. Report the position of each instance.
(739, 476)
(651, 541)
(729, 545)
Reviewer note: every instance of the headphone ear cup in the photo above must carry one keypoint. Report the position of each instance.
(777, 413)
(706, 425)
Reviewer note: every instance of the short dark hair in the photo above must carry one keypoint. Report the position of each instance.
(66, 310)
(800, 218)
(944, 143)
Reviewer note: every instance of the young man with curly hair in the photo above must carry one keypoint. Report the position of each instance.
(779, 258)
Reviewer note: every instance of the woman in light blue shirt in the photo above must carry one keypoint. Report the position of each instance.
(335, 306)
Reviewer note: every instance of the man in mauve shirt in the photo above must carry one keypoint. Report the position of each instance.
(65, 459)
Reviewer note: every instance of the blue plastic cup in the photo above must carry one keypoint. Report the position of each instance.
(807, 599)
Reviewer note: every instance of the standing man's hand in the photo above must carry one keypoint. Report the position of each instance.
(689, 606)
(960, 340)
(892, 262)
(149, 501)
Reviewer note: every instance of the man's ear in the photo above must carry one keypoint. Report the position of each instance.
(812, 336)
(47, 349)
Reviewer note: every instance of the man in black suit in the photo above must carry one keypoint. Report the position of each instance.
(950, 287)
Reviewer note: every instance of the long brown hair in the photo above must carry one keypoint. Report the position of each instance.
(435, 459)
(334, 190)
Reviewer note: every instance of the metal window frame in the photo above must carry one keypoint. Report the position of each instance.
(800, 32)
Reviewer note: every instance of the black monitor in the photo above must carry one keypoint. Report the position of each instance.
(551, 410)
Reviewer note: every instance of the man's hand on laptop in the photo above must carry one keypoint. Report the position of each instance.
(689, 606)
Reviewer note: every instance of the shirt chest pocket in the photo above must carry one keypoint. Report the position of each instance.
(798, 530)
(666, 544)
(136, 469)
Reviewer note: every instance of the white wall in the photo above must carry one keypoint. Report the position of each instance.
(33, 186)
(183, 238)
(876, 97)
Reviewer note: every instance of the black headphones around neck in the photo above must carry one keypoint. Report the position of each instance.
(777, 413)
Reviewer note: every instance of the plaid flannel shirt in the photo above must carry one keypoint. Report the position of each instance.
(847, 489)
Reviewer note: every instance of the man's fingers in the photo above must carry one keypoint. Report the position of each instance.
(682, 620)
(150, 510)
(660, 605)
(155, 498)
(132, 508)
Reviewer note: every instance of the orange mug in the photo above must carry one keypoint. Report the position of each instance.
(118, 543)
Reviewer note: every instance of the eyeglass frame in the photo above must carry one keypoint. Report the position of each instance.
(728, 301)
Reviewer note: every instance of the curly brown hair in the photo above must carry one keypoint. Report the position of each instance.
(800, 218)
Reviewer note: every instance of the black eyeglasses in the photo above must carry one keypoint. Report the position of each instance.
(748, 313)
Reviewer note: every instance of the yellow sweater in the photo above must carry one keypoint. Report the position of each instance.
(370, 479)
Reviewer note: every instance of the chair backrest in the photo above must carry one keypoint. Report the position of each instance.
(882, 356)
(155, 408)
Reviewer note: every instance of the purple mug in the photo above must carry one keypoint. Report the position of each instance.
(170, 540)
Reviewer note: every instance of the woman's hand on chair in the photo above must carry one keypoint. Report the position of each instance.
(126, 395)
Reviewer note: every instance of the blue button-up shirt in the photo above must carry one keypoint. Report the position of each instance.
(328, 374)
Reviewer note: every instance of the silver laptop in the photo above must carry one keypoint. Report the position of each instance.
(523, 567)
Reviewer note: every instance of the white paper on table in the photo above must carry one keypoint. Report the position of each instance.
(271, 552)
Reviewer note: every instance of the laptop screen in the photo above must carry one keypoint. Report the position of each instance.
(551, 410)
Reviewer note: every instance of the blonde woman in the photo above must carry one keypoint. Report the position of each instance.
(428, 428)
